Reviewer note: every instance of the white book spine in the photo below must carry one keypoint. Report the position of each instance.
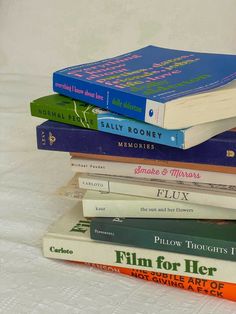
(205, 195)
(151, 208)
(139, 258)
(150, 172)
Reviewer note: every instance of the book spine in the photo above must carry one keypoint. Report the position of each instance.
(139, 258)
(150, 172)
(116, 231)
(117, 101)
(60, 139)
(157, 191)
(149, 208)
(208, 287)
(73, 113)
(213, 151)
(161, 163)
(119, 125)
(87, 116)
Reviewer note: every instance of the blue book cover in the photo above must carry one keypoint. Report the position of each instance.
(154, 85)
(219, 150)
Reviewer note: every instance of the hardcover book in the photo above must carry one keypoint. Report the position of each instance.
(102, 204)
(169, 88)
(210, 238)
(69, 239)
(64, 109)
(190, 192)
(138, 170)
(219, 150)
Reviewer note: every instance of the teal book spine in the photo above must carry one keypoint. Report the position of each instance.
(74, 112)
(208, 238)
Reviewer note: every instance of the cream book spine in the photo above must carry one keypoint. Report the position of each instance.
(204, 194)
(102, 204)
(136, 170)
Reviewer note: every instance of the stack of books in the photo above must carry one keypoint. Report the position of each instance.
(152, 140)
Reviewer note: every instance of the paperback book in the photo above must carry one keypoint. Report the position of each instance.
(209, 238)
(218, 151)
(177, 166)
(213, 288)
(169, 88)
(69, 239)
(137, 170)
(190, 192)
(102, 204)
(64, 109)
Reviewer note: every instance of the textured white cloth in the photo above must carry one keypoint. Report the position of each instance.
(30, 283)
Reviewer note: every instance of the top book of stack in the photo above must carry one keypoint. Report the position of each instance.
(169, 88)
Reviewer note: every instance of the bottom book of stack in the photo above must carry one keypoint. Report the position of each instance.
(69, 239)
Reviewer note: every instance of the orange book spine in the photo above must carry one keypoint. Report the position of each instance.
(213, 288)
(176, 164)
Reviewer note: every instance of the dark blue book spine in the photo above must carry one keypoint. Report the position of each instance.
(220, 150)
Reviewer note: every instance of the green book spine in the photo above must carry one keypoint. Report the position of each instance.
(63, 109)
(170, 239)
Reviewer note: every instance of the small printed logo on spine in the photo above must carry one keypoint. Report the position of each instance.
(230, 153)
(150, 113)
(52, 138)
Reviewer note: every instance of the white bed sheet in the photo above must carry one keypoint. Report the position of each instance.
(30, 283)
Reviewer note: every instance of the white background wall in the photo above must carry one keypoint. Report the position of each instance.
(40, 36)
